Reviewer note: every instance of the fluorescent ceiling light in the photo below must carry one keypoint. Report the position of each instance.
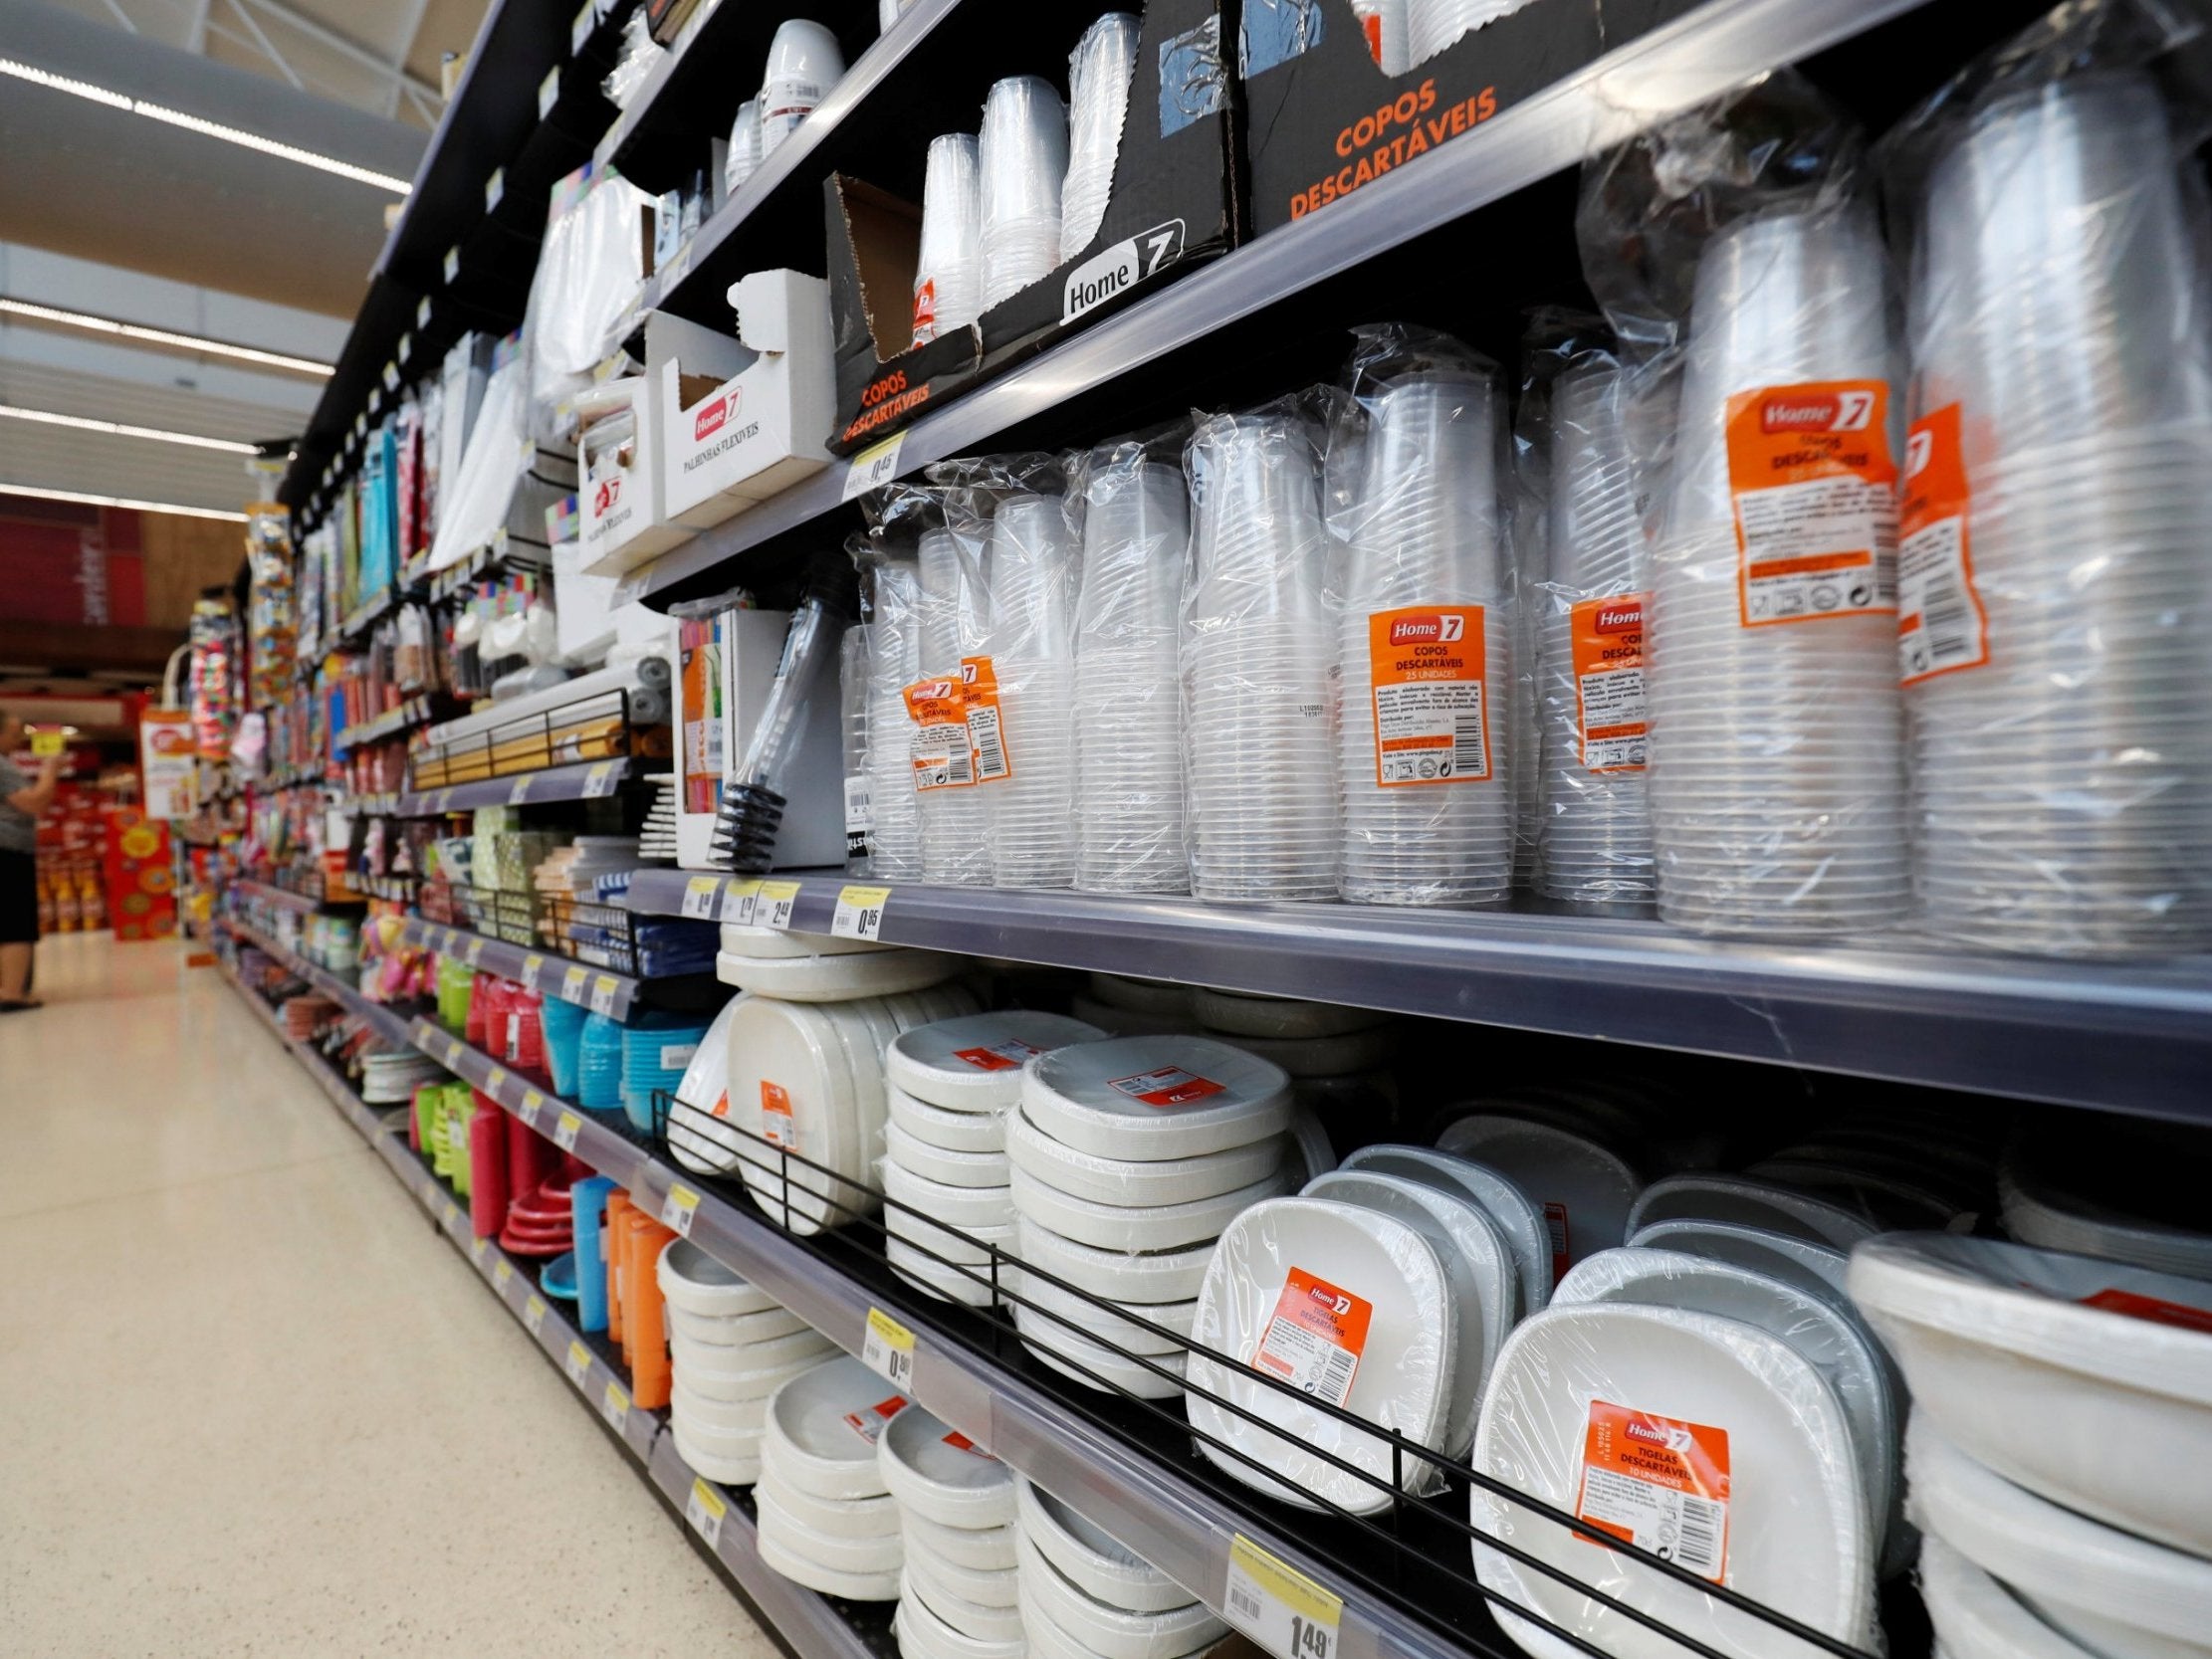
(118, 501)
(81, 423)
(159, 336)
(195, 124)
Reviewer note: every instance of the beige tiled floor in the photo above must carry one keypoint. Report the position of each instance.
(250, 1403)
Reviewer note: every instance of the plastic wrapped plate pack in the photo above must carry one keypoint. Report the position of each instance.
(1515, 1215)
(1586, 1190)
(1155, 1097)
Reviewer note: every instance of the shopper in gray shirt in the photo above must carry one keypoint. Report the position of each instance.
(22, 798)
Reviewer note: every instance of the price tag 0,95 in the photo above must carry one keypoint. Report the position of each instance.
(706, 1509)
(777, 901)
(889, 1351)
(1278, 1606)
(860, 912)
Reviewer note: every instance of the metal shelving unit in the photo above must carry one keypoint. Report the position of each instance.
(549, 974)
(581, 780)
(286, 899)
(390, 723)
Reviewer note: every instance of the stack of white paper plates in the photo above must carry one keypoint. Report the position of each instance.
(1086, 1595)
(1701, 1437)
(1144, 997)
(763, 944)
(838, 978)
(2086, 1380)
(2130, 1192)
(2105, 1589)
(827, 1518)
(1348, 1306)
(731, 1346)
(1584, 1190)
(947, 1484)
(1976, 1617)
(1127, 1152)
(1511, 1211)
(1795, 1261)
(1748, 1201)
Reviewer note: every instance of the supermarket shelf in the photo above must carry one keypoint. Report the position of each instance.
(581, 780)
(1722, 43)
(602, 990)
(807, 1625)
(390, 723)
(365, 615)
(2120, 1037)
(286, 899)
(497, 554)
(389, 1023)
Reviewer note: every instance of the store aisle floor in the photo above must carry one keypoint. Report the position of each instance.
(252, 1403)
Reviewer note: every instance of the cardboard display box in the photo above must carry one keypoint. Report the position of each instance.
(621, 523)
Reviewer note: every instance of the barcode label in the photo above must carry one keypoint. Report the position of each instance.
(1245, 1601)
(1939, 624)
(1659, 1484)
(1698, 1546)
(991, 752)
(1428, 670)
(1469, 758)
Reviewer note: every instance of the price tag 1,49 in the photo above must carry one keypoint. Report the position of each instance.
(700, 896)
(889, 1350)
(564, 1132)
(1278, 1606)
(679, 1207)
(706, 1509)
(603, 993)
(777, 901)
(860, 912)
(873, 467)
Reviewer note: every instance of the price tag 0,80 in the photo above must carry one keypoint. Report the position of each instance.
(705, 1510)
(701, 893)
(860, 912)
(564, 1132)
(777, 901)
(678, 1208)
(580, 1363)
(889, 1350)
(1278, 1606)
(605, 989)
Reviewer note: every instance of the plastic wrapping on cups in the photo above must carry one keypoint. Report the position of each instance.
(892, 593)
(949, 269)
(1023, 159)
(1433, 25)
(853, 654)
(1420, 584)
(1258, 659)
(1737, 242)
(2055, 595)
(744, 158)
(1099, 72)
(1128, 781)
(1023, 704)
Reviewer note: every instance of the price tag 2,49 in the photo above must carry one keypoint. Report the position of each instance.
(1278, 1606)
(706, 1509)
(678, 1208)
(777, 901)
(889, 1351)
(860, 912)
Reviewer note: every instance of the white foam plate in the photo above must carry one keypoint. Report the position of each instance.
(2114, 1593)
(696, 1283)
(988, 1621)
(1084, 1316)
(975, 1063)
(2043, 1206)
(808, 1420)
(723, 1446)
(989, 1587)
(954, 1209)
(1244, 1014)
(1143, 996)
(1976, 1617)
(1127, 1276)
(923, 1635)
(1798, 1538)
(1130, 1184)
(796, 1055)
(1049, 1641)
(1316, 1154)
(939, 1473)
(1120, 1098)
(707, 1078)
(1108, 1631)
(1476, 1261)
(1515, 1215)
(1579, 1186)
(854, 1587)
(2093, 1408)
(1085, 1361)
(866, 1520)
(1113, 1227)
(750, 1372)
(978, 1548)
(936, 1163)
(714, 1464)
(1127, 1022)
(1092, 1558)
(1403, 1377)
(1339, 1056)
(953, 1131)
(708, 1416)
(734, 1330)
(940, 1279)
(837, 978)
(1749, 1202)
(1795, 1261)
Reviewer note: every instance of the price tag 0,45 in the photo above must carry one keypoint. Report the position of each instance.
(564, 1132)
(706, 1509)
(678, 1208)
(860, 912)
(1278, 1606)
(700, 894)
(605, 989)
(873, 467)
(889, 1351)
(777, 901)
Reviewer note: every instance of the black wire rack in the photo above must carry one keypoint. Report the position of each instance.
(1406, 1551)
(599, 727)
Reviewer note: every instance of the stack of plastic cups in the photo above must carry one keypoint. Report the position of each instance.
(656, 1049)
(1433, 25)
(853, 654)
(1385, 26)
(804, 62)
(894, 662)
(1032, 630)
(2063, 789)
(1129, 816)
(1023, 161)
(956, 821)
(1595, 813)
(1257, 661)
(1776, 781)
(1098, 76)
(744, 158)
(1428, 808)
(600, 1065)
(949, 270)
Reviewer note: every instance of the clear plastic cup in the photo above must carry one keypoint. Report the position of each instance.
(948, 276)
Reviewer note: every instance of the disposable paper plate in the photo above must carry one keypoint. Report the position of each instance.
(967, 1282)
(828, 1420)
(1159, 1376)
(1127, 1022)
(1511, 1211)
(752, 1360)
(990, 1622)
(753, 939)
(971, 1246)
(1976, 1617)
(1346, 1303)
(919, 1201)
(862, 1554)
(941, 1475)
(975, 1063)
(1795, 1261)
(2114, 1592)
(854, 1587)
(1155, 1097)
(938, 1164)
(725, 1445)
(2086, 1380)
(1475, 1262)
(1888, 1197)
(717, 1466)
(1339, 1056)
(1123, 1276)
(1316, 1154)
(989, 1587)
(791, 1083)
(1113, 1227)
(1748, 1202)
(1706, 1393)
(1092, 1558)
(1170, 1317)
(978, 1548)
(869, 1530)
(1132, 1184)
(706, 1078)
(1049, 1641)
(695, 1283)
(955, 1131)
(707, 1415)
(734, 1330)
(2134, 1193)
(1837, 1346)
(1143, 996)
(923, 1635)
(1109, 1631)
(838, 978)
(1243, 1014)
(1583, 1190)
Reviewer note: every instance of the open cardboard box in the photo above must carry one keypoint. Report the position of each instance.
(739, 418)
(621, 521)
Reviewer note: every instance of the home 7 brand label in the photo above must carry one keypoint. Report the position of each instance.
(869, 1422)
(1008, 1056)
(1657, 1483)
(1115, 270)
(925, 310)
(1315, 1338)
(1432, 714)
(1816, 504)
(715, 430)
(987, 723)
(1607, 639)
(1169, 1086)
(941, 759)
(1941, 625)
(778, 1127)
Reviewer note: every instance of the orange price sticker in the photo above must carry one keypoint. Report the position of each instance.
(1430, 703)
(2156, 1309)
(1607, 636)
(1816, 506)
(1169, 1086)
(1658, 1484)
(778, 1126)
(1315, 1337)
(1941, 625)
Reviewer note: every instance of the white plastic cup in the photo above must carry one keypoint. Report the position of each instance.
(948, 277)
(1099, 72)
(1023, 164)
(743, 157)
(805, 63)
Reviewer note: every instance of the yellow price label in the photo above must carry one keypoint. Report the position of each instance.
(502, 1272)
(532, 1104)
(44, 743)
(1279, 1607)
(495, 1079)
(702, 894)
(740, 900)
(614, 1404)
(564, 1132)
(573, 984)
(776, 902)
(678, 1209)
(705, 1510)
(860, 912)
(888, 1349)
(579, 1362)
